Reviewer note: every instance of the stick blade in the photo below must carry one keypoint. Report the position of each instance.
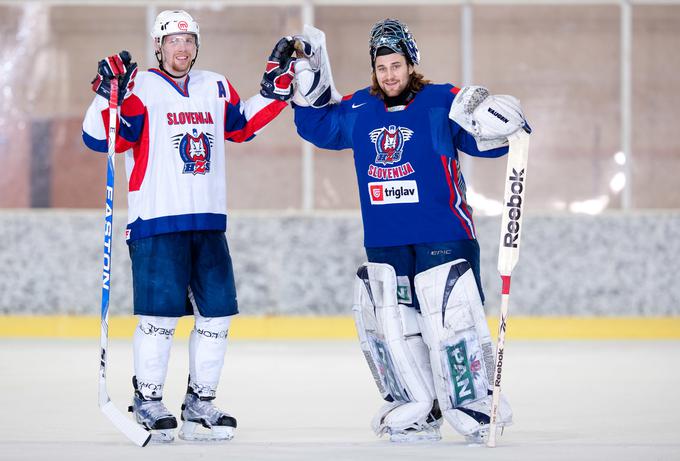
(130, 429)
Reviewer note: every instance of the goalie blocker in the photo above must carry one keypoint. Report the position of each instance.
(428, 364)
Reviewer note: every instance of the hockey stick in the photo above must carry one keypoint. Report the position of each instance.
(508, 252)
(131, 429)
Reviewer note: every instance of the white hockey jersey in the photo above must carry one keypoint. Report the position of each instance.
(173, 138)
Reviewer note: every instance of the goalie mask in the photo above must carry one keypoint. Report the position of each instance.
(393, 34)
(170, 22)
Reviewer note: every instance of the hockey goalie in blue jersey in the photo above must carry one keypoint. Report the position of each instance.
(174, 120)
(418, 302)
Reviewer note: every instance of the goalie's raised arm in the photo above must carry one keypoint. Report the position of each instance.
(489, 118)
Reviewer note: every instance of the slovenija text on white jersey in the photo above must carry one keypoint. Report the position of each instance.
(173, 139)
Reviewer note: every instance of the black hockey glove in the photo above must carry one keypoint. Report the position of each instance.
(119, 67)
(277, 81)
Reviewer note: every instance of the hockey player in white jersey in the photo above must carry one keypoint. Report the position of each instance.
(173, 123)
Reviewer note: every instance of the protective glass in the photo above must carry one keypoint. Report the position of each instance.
(180, 40)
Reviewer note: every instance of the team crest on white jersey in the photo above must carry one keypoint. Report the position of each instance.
(194, 149)
(389, 143)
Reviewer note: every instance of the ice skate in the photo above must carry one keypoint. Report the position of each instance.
(154, 417)
(472, 420)
(482, 435)
(415, 435)
(396, 420)
(203, 421)
(422, 431)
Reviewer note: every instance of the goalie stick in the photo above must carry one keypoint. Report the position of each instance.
(508, 252)
(131, 429)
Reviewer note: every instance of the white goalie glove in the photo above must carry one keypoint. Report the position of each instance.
(489, 118)
(313, 77)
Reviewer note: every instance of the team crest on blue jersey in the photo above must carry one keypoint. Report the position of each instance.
(389, 143)
(194, 149)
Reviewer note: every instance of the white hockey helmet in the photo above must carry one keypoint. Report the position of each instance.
(171, 22)
(393, 34)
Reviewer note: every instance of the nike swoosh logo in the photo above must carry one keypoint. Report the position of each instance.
(354, 106)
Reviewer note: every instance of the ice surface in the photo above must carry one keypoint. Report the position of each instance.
(302, 400)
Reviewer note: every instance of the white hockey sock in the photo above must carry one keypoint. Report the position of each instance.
(151, 346)
(207, 346)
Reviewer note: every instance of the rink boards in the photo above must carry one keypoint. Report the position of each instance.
(342, 327)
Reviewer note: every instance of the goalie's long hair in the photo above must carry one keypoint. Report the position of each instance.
(416, 83)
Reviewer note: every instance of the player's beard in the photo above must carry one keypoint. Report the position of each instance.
(393, 87)
(178, 64)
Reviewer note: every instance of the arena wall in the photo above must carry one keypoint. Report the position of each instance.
(614, 264)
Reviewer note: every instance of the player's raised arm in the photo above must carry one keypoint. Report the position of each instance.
(117, 69)
(245, 119)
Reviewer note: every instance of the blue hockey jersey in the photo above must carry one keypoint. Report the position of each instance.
(410, 184)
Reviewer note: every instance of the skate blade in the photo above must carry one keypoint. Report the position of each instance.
(162, 436)
(194, 432)
(415, 437)
(480, 437)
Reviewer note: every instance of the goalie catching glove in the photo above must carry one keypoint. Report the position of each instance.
(277, 81)
(489, 118)
(313, 77)
(119, 67)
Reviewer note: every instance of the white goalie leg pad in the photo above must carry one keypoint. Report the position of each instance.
(151, 349)
(313, 76)
(462, 355)
(390, 339)
(207, 347)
